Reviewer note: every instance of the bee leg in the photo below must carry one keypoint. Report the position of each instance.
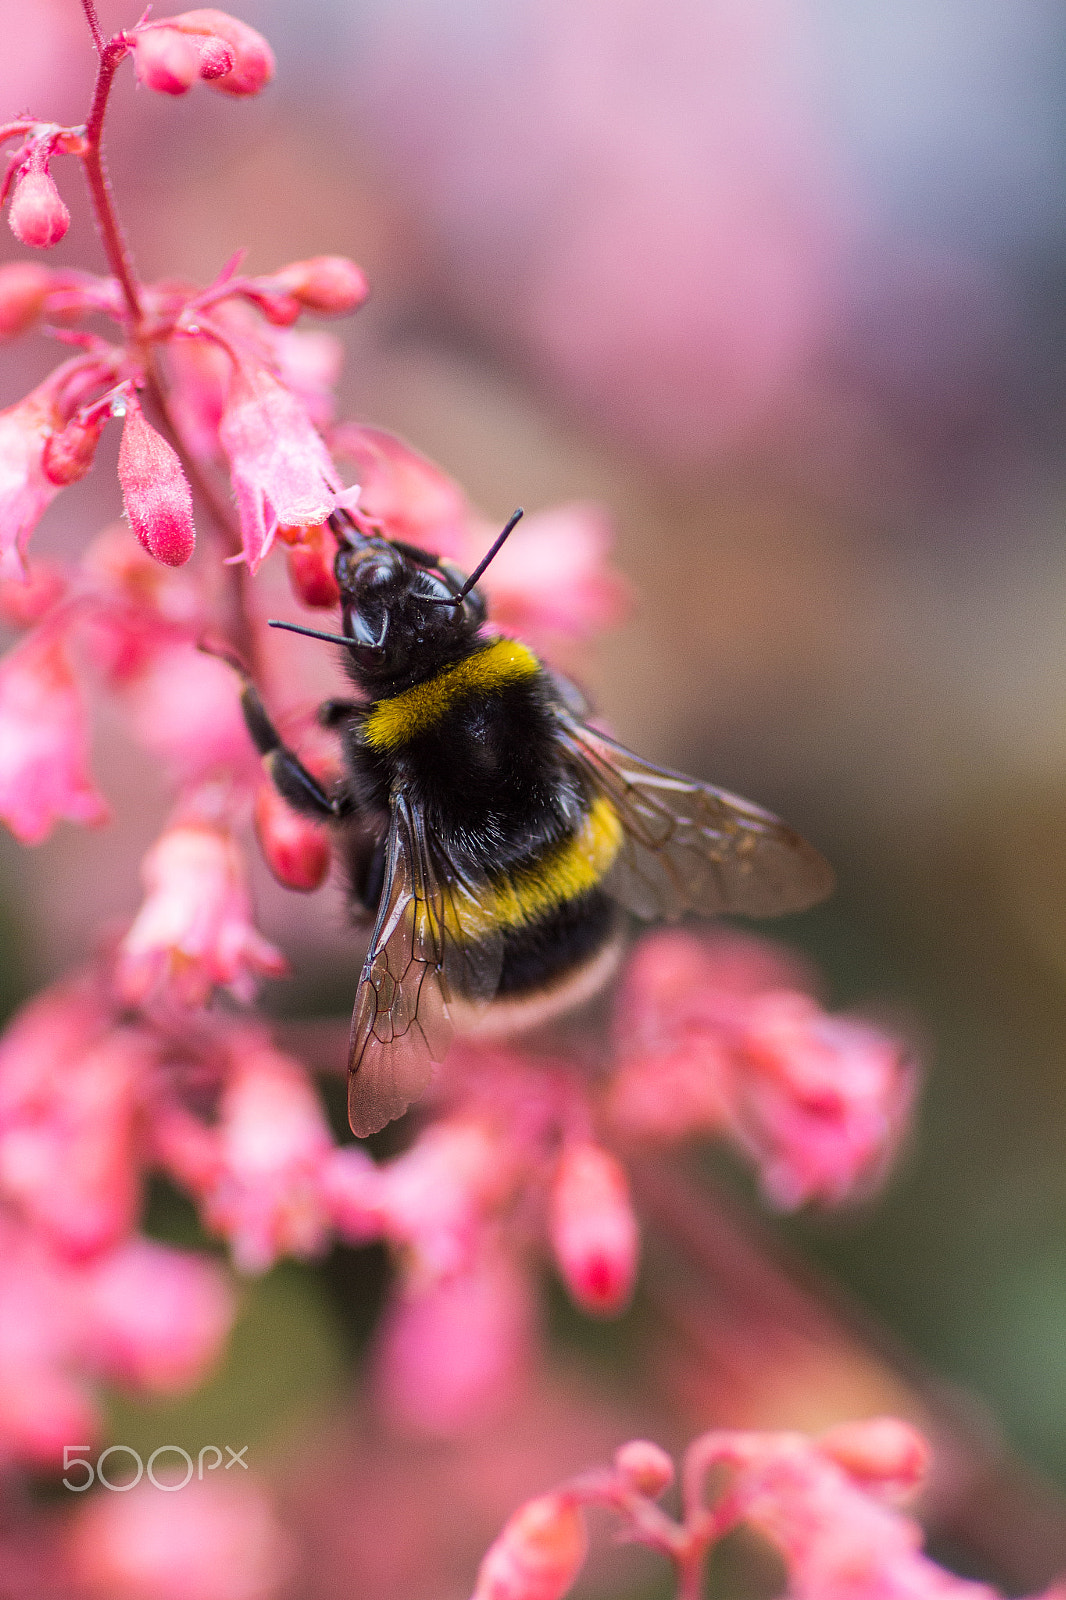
(289, 775)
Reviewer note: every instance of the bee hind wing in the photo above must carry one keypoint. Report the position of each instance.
(688, 846)
(422, 953)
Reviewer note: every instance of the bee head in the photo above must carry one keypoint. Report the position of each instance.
(400, 616)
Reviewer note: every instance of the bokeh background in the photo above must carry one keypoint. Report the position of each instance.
(779, 283)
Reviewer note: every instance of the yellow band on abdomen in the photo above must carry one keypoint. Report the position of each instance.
(394, 722)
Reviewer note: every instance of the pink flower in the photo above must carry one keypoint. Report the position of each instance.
(213, 1540)
(263, 1190)
(24, 287)
(194, 929)
(281, 470)
(820, 1102)
(434, 1199)
(155, 490)
(310, 556)
(451, 1357)
(184, 707)
(253, 59)
(170, 61)
(295, 848)
(156, 1319)
(43, 742)
(38, 216)
(593, 1229)
(69, 1091)
(25, 490)
(551, 582)
(644, 1466)
(330, 285)
(539, 1553)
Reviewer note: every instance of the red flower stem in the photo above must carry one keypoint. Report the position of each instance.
(115, 246)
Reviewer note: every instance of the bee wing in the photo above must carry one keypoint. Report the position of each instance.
(691, 847)
(432, 941)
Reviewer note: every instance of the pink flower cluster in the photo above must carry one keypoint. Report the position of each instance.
(826, 1505)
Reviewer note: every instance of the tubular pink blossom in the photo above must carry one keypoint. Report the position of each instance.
(25, 489)
(38, 216)
(253, 59)
(330, 285)
(538, 1555)
(155, 490)
(295, 848)
(156, 1319)
(194, 930)
(44, 772)
(453, 1356)
(593, 1229)
(271, 1141)
(69, 1095)
(165, 59)
(215, 1540)
(281, 470)
(24, 287)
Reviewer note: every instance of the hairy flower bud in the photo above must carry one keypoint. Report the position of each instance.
(253, 59)
(23, 289)
(155, 490)
(593, 1229)
(295, 848)
(38, 216)
(330, 285)
(645, 1466)
(538, 1555)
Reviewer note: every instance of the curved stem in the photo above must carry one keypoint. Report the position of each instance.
(116, 249)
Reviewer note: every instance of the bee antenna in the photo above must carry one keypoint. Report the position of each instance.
(312, 633)
(457, 599)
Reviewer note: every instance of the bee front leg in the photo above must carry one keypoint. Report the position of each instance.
(290, 777)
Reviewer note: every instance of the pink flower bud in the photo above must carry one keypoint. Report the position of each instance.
(296, 849)
(69, 454)
(593, 1230)
(166, 60)
(155, 490)
(644, 1466)
(310, 558)
(38, 216)
(538, 1555)
(881, 1452)
(216, 59)
(24, 287)
(330, 285)
(253, 59)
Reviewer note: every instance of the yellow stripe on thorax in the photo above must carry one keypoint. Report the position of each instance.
(564, 873)
(404, 716)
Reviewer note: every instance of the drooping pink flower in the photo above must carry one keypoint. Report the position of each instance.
(44, 772)
(216, 1539)
(24, 287)
(539, 1553)
(281, 470)
(253, 59)
(38, 216)
(155, 490)
(155, 1319)
(170, 60)
(69, 1093)
(25, 490)
(330, 285)
(452, 1356)
(262, 1190)
(295, 848)
(593, 1230)
(194, 930)
(820, 1102)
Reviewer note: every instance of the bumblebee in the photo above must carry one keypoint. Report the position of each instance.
(493, 835)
